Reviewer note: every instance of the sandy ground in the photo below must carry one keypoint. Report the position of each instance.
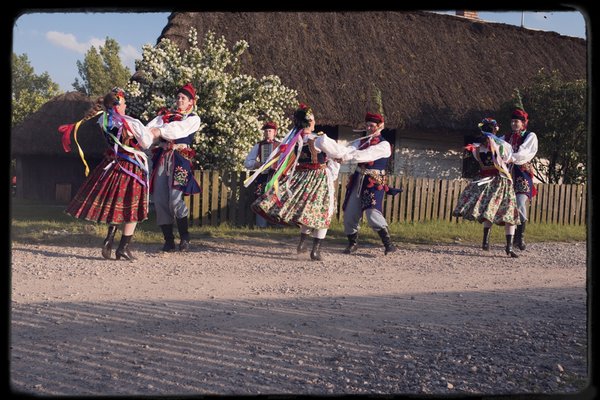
(247, 317)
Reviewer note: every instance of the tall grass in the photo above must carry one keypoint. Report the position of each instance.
(48, 223)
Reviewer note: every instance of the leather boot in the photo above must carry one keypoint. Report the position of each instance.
(167, 231)
(315, 254)
(486, 238)
(384, 234)
(351, 243)
(519, 236)
(509, 247)
(302, 244)
(108, 242)
(184, 234)
(123, 249)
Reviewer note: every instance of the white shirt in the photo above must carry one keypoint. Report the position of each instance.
(374, 152)
(527, 150)
(175, 129)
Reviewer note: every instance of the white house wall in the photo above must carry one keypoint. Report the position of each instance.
(419, 154)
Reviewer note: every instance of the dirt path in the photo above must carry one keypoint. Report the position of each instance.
(242, 317)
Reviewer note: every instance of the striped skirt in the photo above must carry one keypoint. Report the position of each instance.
(112, 196)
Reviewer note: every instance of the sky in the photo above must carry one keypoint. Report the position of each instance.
(55, 41)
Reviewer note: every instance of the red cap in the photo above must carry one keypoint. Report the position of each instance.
(188, 90)
(520, 114)
(269, 125)
(371, 117)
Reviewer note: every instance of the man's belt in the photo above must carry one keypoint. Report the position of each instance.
(370, 171)
(173, 146)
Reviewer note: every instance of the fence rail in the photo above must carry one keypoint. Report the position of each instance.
(225, 199)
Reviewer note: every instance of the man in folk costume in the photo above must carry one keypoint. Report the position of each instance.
(258, 155)
(524, 145)
(367, 186)
(173, 170)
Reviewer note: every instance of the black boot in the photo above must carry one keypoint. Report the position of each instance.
(315, 254)
(519, 236)
(108, 242)
(509, 246)
(123, 250)
(302, 244)
(351, 243)
(486, 238)
(384, 234)
(167, 231)
(184, 234)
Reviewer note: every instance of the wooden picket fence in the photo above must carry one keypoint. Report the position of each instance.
(224, 199)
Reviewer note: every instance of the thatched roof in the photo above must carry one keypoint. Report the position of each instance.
(433, 70)
(38, 134)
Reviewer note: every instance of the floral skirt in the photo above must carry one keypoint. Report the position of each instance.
(306, 203)
(494, 201)
(111, 197)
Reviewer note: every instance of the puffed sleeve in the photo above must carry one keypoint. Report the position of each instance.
(375, 152)
(251, 158)
(331, 147)
(180, 129)
(527, 150)
(141, 132)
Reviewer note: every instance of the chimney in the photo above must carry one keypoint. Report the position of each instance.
(467, 14)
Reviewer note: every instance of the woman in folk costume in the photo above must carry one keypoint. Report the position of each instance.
(172, 167)
(368, 184)
(116, 192)
(525, 146)
(490, 199)
(305, 197)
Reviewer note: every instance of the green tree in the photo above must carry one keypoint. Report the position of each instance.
(101, 70)
(557, 111)
(29, 91)
(557, 115)
(232, 107)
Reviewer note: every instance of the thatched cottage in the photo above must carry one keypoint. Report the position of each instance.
(437, 74)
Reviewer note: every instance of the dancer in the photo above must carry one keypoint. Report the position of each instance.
(491, 198)
(524, 147)
(173, 170)
(368, 184)
(116, 192)
(305, 197)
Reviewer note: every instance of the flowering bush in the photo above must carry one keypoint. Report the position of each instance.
(232, 107)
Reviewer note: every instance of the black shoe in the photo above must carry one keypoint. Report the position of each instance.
(184, 234)
(315, 254)
(108, 242)
(123, 250)
(167, 231)
(169, 246)
(302, 244)
(184, 245)
(520, 237)
(352, 246)
(509, 247)
(388, 246)
(485, 245)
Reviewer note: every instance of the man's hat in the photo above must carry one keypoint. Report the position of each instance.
(269, 125)
(520, 114)
(372, 117)
(188, 90)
